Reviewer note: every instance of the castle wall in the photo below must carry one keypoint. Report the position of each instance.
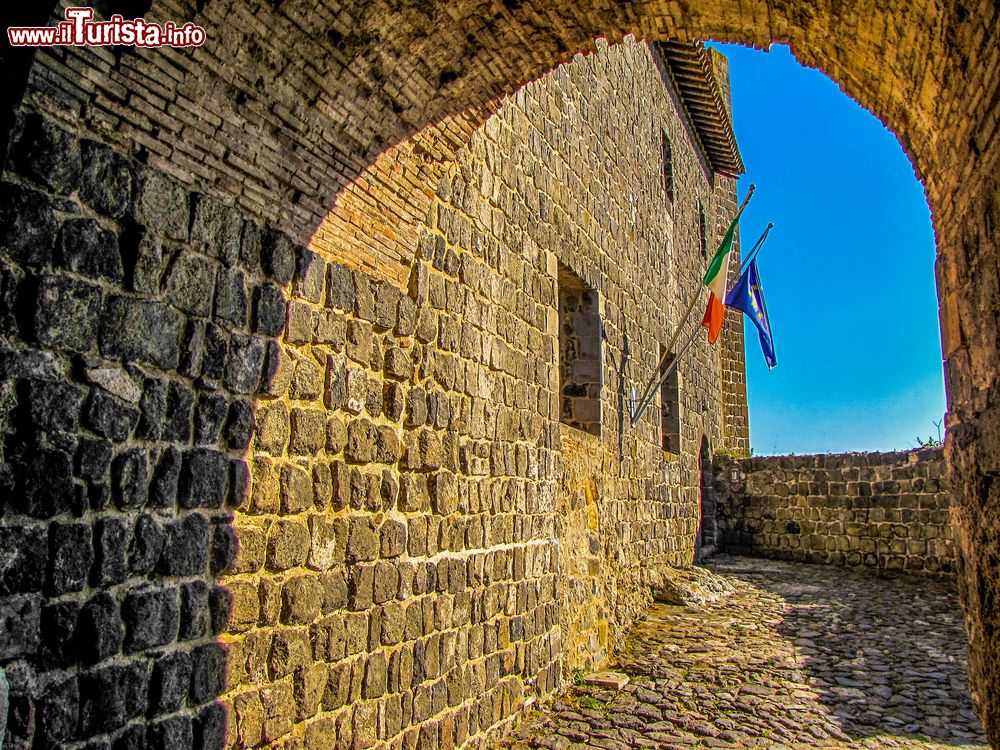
(257, 497)
(890, 511)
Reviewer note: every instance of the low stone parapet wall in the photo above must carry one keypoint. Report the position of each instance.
(883, 510)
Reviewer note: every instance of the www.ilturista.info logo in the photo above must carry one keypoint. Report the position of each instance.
(78, 30)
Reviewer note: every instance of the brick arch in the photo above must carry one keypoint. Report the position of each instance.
(290, 108)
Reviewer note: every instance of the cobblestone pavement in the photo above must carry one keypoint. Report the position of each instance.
(800, 656)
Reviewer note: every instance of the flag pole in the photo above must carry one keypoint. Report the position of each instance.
(670, 368)
(648, 397)
(687, 313)
(755, 249)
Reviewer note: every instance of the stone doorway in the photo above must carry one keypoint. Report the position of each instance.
(707, 538)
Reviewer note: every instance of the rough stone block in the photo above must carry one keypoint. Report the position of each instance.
(340, 288)
(99, 629)
(387, 299)
(171, 680)
(210, 727)
(386, 582)
(20, 625)
(216, 229)
(150, 616)
(89, 249)
(392, 538)
(277, 255)
(27, 225)
(308, 432)
(361, 587)
(310, 276)
(327, 543)
(231, 302)
(287, 544)
(301, 600)
(239, 425)
(47, 483)
(145, 545)
(53, 405)
(130, 479)
(107, 180)
(246, 362)
(272, 427)
(195, 613)
(239, 483)
(141, 330)
(111, 536)
(296, 489)
(58, 711)
(109, 416)
(162, 206)
(398, 364)
(209, 417)
(270, 310)
(67, 313)
(368, 442)
(307, 380)
(166, 478)
(208, 672)
(204, 480)
(362, 540)
(190, 283)
(23, 552)
(70, 556)
(185, 549)
(214, 352)
(173, 732)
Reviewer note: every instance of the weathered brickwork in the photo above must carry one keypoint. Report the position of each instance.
(890, 511)
(291, 104)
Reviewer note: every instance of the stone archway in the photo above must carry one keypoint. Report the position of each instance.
(294, 113)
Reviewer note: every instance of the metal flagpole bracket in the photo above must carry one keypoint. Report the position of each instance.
(663, 376)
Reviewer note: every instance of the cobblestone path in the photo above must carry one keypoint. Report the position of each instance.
(800, 656)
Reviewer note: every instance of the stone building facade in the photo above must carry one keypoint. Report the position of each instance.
(371, 487)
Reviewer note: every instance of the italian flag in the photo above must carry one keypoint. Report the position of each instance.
(715, 280)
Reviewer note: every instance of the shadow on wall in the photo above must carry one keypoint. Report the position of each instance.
(156, 589)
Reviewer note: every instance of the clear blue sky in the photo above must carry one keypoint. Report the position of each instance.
(847, 271)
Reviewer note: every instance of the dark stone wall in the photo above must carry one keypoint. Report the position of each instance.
(890, 511)
(138, 322)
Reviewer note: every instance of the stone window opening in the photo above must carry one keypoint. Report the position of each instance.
(667, 154)
(580, 362)
(702, 230)
(670, 407)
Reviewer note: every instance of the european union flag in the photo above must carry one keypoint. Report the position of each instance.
(746, 295)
